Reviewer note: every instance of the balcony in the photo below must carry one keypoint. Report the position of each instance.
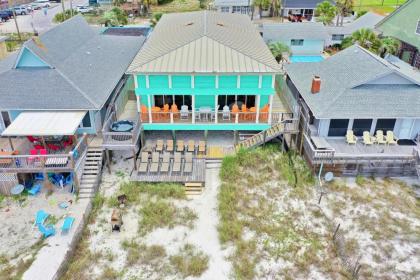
(117, 140)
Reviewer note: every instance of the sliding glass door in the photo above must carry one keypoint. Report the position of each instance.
(338, 127)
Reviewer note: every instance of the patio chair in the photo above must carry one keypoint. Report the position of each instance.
(367, 139)
(165, 163)
(35, 189)
(159, 145)
(380, 139)
(177, 163)
(67, 224)
(390, 138)
(169, 145)
(180, 146)
(226, 113)
(34, 156)
(202, 147)
(191, 146)
(188, 163)
(40, 217)
(154, 167)
(46, 231)
(144, 162)
(350, 138)
(184, 112)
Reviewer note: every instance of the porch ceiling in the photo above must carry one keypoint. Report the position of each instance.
(45, 123)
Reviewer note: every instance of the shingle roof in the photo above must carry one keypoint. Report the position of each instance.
(294, 30)
(349, 86)
(368, 20)
(85, 68)
(308, 4)
(204, 41)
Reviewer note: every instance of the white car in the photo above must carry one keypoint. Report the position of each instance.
(39, 4)
(84, 9)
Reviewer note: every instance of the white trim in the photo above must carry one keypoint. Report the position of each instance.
(136, 83)
(216, 99)
(170, 81)
(193, 107)
(217, 81)
(149, 108)
(259, 81)
(372, 128)
(258, 97)
(350, 124)
(238, 81)
(147, 82)
(138, 103)
(273, 81)
(270, 110)
(192, 81)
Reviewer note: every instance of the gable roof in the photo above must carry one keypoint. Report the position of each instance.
(402, 23)
(84, 68)
(351, 86)
(368, 20)
(204, 41)
(294, 30)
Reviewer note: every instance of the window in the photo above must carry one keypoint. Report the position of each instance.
(236, 9)
(338, 127)
(337, 37)
(224, 9)
(240, 9)
(297, 42)
(385, 124)
(360, 125)
(86, 123)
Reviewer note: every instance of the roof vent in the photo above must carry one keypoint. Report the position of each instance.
(220, 24)
(316, 84)
(189, 23)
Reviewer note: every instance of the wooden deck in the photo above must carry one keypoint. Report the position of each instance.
(198, 174)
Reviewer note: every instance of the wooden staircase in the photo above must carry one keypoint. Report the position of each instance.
(92, 173)
(193, 189)
(259, 139)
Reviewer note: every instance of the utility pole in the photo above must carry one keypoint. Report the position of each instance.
(10, 2)
(64, 9)
(71, 8)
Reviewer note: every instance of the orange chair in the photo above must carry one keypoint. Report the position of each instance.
(165, 114)
(235, 110)
(144, 113)
(264, 113)
(252, 114)
(244, 110)
(156, 113)
(175, 111)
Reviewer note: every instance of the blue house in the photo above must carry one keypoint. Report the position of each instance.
(71, 67)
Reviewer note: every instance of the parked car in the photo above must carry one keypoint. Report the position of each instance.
(84, 9)
(9, 12)
(37, 5)
(21, 10)
(4, 16)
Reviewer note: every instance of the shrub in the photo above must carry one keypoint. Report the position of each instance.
(190, 262)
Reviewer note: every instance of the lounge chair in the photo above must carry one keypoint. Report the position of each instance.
(35, 189)
(67, 224)
(170, 145)
(46, 230)
(40, 217)
(154, 167)
(226, 113)
(191, 146)
(180, 146)
(380, 139)
(165, 163)
(144, 162)
(390, 138)
(177, 163)
(350, 138)
(159, 145)
(202, 147)
(367, 139)
(184, 112)
(188, 163)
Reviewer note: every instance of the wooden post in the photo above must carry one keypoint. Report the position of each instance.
(134, 159)
(205, 135)
(174, 136)
(43, 142)
(108, 160)
(10, 143)
(142, 137)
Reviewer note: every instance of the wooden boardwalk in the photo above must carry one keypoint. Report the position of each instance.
(198, 174)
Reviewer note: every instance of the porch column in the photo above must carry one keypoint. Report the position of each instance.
(138, 103)
(257, 116)
(193, 107)
(11, 143)
(216, 109)
(270, 110)
(149, 108)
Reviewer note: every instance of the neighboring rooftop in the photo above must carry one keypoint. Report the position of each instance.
(294, 30)
(76, 69)
(218, 3)
(368, 20)
(302, 4)
(204, 42)
(127, 31)
(356, 82)
(403, 23)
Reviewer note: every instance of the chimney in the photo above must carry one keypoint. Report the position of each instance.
(316, 84)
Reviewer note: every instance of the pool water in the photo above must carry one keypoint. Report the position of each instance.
(306, 58)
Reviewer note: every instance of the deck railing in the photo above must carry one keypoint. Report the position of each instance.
(119, 140)
(64, 162)
(215, 117)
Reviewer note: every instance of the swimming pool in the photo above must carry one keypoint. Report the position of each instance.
(306, 58)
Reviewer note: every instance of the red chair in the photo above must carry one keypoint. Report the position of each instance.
(32, 139)
(43, 152)
(33, 157)
(53, 147)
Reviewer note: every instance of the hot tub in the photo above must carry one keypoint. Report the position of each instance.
(122, 126)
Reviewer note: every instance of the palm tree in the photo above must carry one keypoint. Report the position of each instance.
(278, 49)
(343, 8)
(260, 4)
(367, 39)
(389, 46)
(325, 12)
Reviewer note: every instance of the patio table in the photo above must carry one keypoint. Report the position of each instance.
(17, 190)
(56, 162)
(204, 112)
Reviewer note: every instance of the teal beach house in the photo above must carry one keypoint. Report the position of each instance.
(205, 71)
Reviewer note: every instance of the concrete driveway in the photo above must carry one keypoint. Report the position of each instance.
(37, 19)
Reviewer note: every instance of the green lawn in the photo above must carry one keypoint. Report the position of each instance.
(378, 6)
